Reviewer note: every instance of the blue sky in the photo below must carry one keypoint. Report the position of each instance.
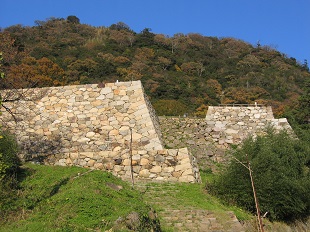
(281, 24)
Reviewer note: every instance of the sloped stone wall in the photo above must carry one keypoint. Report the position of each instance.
(208, 139)
(84, 118)
(95, 126)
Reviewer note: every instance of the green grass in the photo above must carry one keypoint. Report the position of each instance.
(191, 196)
(54, 198)
(70, 199)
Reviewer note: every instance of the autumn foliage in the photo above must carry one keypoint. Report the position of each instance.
(191, 70)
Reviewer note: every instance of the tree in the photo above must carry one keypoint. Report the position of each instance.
(120, 26)
(299, 114)
(83, 69)
(305, 65)
(240, 95)
(145, 38)
(122, 37)
(163, 62)
(34, 73)
(161, 39)
(170, 107)
(13, 52)
(8, 146)
(128, 74)
(1, 73)
(193, 68)
(73, 19)
(179, 41)
(9, 162)
(280, 166)
(144, 54)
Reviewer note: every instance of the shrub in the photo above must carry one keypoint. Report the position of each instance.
(280, 166)
(9, 162)
(170, 107)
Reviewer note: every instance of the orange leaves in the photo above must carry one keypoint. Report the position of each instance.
(121, 60)
(144, 54)
(164, 62)
(201, 111)
(249, 61)
(178, 41)
(151, 85)
(48, 68)
(34, 73)
(215, 85)
(193, 68)
(161, 39)
(128, 74)
(12, 52)
(243, 95)
(122, 37)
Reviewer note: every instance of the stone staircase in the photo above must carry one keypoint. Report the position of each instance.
(179, 218)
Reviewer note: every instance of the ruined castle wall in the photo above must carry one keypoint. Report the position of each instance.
(95, 126)
(174, 165)
(232, 124)
(208, 139)
(84, 118)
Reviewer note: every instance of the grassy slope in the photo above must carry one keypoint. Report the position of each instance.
(190, 196)
(54, 198)
(56, 201)
(76, 199)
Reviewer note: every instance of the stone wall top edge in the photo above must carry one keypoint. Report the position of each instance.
(84, 86)
(182, 149)
(237, 107)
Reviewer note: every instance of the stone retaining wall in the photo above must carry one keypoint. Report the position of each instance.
(208, 139)
(84, 118)
(231, 124)
(161, 165)
(94, 126)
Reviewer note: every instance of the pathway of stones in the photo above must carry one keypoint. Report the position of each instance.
(179, 218)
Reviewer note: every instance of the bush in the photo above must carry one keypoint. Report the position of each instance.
(170, 107)
(9, 162)
(280, 166)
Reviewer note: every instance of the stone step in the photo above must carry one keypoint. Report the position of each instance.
(197, 220)
(180, 218)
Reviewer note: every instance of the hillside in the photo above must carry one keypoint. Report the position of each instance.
(181, 74)
(74, 199)
(78, 199)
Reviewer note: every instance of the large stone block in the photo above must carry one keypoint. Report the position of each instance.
(183, 167)
(156, 169)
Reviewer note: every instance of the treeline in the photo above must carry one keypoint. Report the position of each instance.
(181, 74)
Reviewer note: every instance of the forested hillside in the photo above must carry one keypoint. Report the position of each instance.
(181, 74)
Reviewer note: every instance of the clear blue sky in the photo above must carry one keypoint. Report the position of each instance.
(282, 24)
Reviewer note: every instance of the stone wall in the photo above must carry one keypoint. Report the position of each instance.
(208, 139)
(232, 124)
(193, 134)
(94, 126)
(161, 165)
(84, 118)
